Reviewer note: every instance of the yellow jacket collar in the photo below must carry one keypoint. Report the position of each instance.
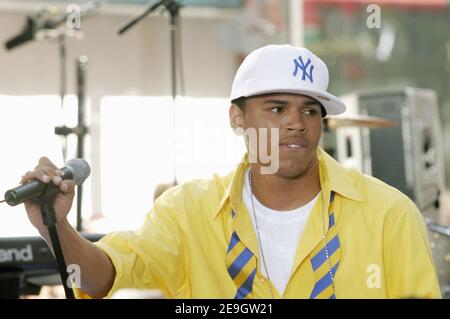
(336, 176)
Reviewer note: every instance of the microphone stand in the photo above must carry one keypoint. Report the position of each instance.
(43, 27)
(81, 130)
(173, 7)
(49, 219)
(48, 29)
(63, 84)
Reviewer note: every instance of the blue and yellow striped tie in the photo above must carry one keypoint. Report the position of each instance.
(241, 263)
(324, 286)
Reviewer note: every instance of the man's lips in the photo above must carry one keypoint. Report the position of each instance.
(293, 144)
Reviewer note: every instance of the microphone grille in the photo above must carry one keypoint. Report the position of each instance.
(80, 170)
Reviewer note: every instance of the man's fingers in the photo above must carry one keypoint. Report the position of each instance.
(45, 161)
(28, 176)
(43, 173)
(67, 186)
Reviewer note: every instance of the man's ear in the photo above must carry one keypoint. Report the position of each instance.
(236, 118)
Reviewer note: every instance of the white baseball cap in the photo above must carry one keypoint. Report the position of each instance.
(285, 69)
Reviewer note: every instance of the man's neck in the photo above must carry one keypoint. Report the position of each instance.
(283, 194)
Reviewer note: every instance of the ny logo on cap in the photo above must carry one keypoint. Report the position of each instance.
(299, 64)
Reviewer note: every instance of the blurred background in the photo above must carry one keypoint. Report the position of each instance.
(148, 108)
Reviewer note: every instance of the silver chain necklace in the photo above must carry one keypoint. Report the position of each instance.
(258, 233)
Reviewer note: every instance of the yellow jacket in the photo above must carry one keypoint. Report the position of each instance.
(181, 246)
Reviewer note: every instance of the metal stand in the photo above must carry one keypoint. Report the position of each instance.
(47, 29)
(173, 7)
(40, 27)
(81, 129)
(49, 219)
(61, 37)
(63, 84)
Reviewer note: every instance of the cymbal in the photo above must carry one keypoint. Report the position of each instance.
(355, 120)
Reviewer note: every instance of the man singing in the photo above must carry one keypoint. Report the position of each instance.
(289, 223)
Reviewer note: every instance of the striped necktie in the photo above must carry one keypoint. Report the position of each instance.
(241, 262)
(324, 286)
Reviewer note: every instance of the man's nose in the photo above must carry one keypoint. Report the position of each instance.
(295, 122)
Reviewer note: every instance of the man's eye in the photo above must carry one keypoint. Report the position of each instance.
(276, 109)
(310, 112)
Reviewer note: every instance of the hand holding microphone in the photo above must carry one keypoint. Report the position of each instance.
(47, 180)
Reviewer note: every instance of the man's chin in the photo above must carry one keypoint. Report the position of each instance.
(290, 168)
(290, 172)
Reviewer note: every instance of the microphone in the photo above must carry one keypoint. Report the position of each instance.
(49, 18)
(75, 169)
(26, 35)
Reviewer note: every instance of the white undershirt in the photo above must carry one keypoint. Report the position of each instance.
(280, 233)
